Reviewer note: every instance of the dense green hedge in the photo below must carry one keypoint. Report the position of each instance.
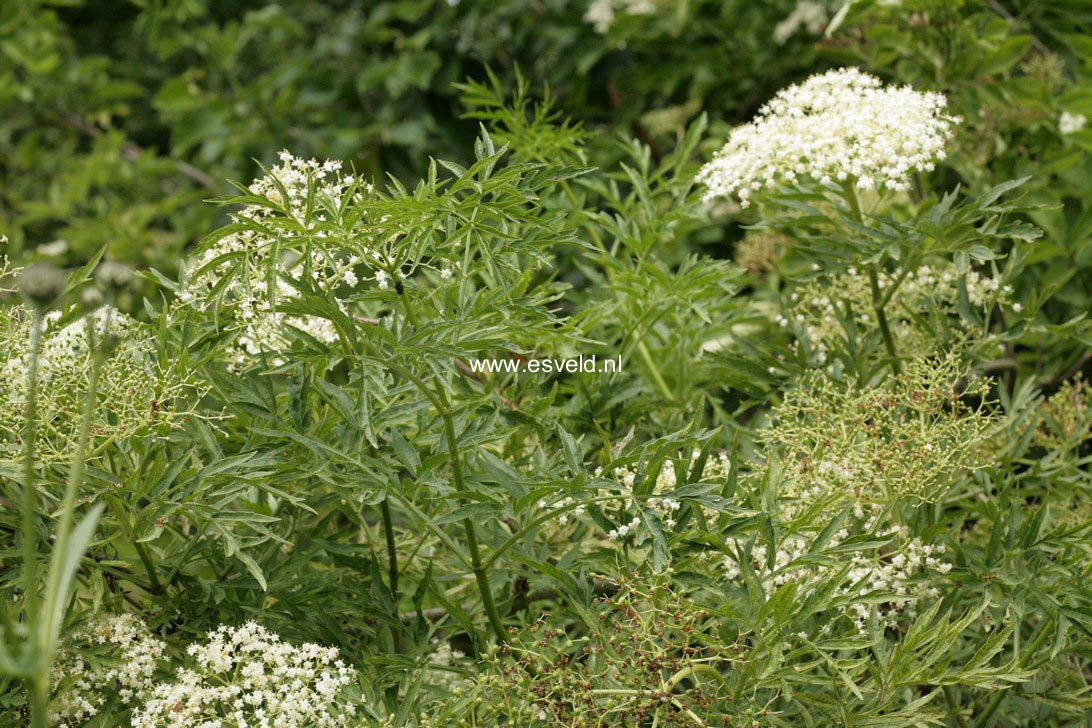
(118, 119)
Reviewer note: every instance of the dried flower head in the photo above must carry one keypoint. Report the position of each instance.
(761, 250)
(1065, 422)
(1047, 68)
(840, 126)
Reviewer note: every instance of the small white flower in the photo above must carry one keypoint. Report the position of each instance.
(1069, 123)
(247, 255)
(601, 13)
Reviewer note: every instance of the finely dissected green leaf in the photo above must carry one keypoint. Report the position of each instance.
(834, 474)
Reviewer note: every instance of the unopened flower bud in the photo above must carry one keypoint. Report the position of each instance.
(42, 283)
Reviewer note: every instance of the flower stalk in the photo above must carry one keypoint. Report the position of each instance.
(874, 284)
(30, 494)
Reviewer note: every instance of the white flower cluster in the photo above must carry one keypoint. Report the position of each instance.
(601, 13)
(443, 668)
(114, 657)
(292, 240)
(134, 391)
(622, 509)
(64, 349)
(902, 573)
(248, 678)
(1070, 123)
(809, 15)
(564, 505)
(623, 530)
(840, 126)
(818, 309)
(666, 481)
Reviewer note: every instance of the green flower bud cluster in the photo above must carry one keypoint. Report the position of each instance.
(906, 438)
(136, 393)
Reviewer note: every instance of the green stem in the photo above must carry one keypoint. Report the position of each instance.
(654, 371)
(480, 574)
(116, 506)
(68, 503)
(436, 530)
(910, 266)
(991, 708)
(694, 670)
(881, 317)
(853, 201)
(410, 315)
(154, 586)
(953, 703)
(998, 697)
(392, 553)
(39, 702)
(30, 494)
(874, 283)
(392, 575)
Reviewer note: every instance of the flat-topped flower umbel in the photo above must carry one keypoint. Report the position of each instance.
(246, 677)
(839, 126)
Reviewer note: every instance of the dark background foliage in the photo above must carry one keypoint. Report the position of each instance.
(119, 117)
